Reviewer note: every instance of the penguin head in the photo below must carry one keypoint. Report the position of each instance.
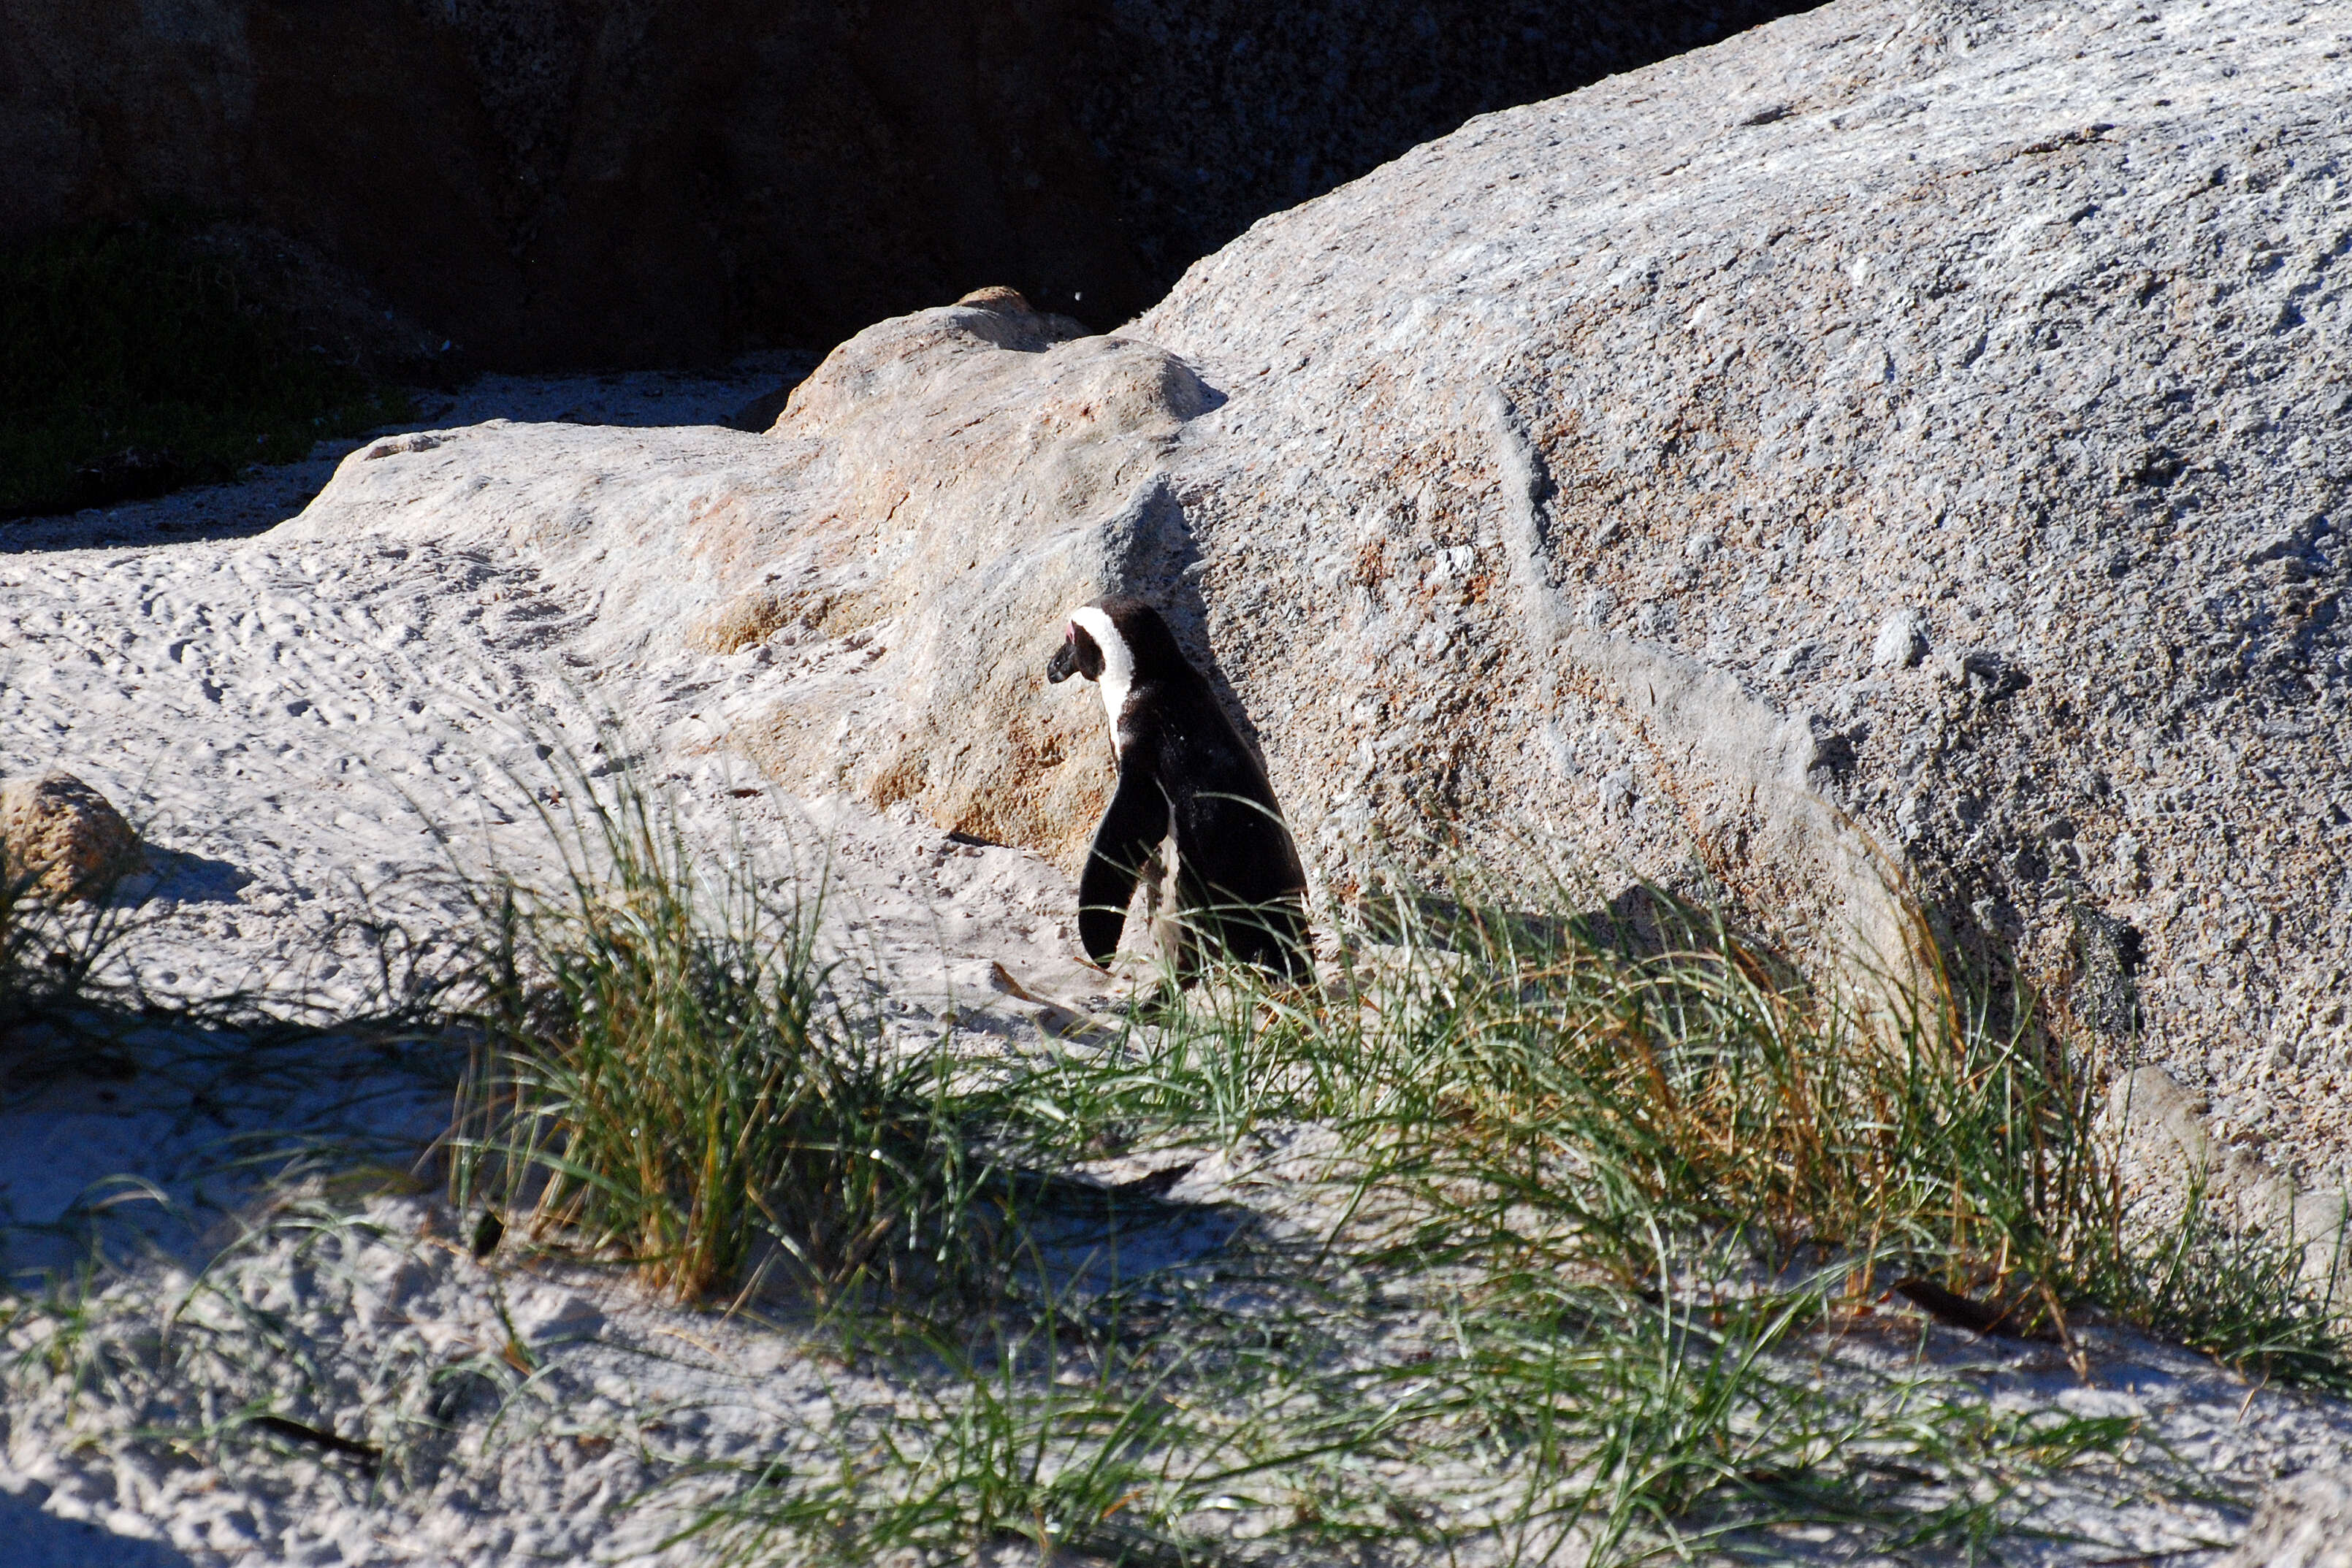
(1079, 654)
(1118, 640)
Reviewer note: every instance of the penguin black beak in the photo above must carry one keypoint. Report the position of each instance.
(1065, 663)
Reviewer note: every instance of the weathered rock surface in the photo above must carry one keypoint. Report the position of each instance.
(66, 837)
(2169, 1156)
(588, 182)
(2030, 323)
(901, 546)
(2304, 1521)
(1893, 444)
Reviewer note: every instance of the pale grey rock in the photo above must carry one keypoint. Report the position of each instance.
(2032, 319)
(1617, 793)
(401, 444)
(1901, 642)
(2304, 1521)
(929, 504)
(2170, 1151)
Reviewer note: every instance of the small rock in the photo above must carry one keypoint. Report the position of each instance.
(401, 445)
(63, 834)
(998, 297)
(1906, 817)
(1617, 792)
(1901, 642)
(746, 619)
(546, 1316)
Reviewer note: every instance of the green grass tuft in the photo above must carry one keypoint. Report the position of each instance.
(52, 953)
(664, 1077)
(1588, 1220)
(1538, 1239)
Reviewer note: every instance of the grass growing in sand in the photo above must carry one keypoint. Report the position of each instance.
(1560, 1238)
(1569, 1273)
(55, 990)
(663, 1077)
(50, 948)
(1525, 1236)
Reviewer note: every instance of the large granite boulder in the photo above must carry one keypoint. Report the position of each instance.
(902, 545)
(1895, 453)
(1896, 435)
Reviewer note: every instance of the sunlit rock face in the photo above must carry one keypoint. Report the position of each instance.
(1890, 449)
(901, 546)
(1889, 437)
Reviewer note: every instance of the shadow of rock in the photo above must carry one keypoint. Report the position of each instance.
(177, 876)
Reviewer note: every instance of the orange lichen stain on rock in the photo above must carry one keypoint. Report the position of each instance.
(61, 839)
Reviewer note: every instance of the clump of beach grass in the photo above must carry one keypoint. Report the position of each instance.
(1569, 1282)
(57, 992)
(668, 1071)
(50, 948)
(1543, 1087)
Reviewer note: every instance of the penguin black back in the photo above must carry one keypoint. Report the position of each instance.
(1183, 772)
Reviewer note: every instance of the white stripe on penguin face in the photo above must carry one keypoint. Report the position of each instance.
(1119, 663)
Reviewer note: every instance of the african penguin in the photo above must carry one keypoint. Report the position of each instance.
(1186, 777)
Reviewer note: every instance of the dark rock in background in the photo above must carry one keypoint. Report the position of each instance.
(1211, 114)
(541, 184)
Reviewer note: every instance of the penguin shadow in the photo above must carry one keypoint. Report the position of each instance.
(1175, 591)
(1641, 920)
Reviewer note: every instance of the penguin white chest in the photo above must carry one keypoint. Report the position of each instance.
(1116, 677)
(1114, 697)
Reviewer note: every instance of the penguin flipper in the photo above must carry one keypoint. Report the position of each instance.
(1130, 831)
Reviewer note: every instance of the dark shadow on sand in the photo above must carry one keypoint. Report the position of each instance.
(33, 1538)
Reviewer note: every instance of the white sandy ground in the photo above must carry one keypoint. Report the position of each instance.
(284, 721)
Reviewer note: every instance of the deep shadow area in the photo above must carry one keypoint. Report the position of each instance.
(738, 396)
(546, 184)
(176, 876)
(133, 363)
(1213, 113)
(31, 1537)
